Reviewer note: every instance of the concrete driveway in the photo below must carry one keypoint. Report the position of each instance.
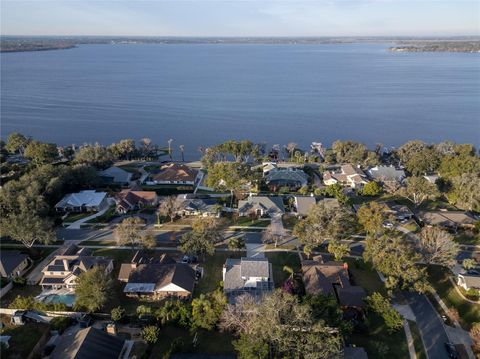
(430, 325)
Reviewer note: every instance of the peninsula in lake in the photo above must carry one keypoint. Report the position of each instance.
(438, 46)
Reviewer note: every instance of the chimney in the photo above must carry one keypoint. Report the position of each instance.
(65, 264)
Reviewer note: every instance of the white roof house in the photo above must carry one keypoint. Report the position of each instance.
(386, 173)
(83, 200)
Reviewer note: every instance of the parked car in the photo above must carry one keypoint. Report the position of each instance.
(189, 259)
(451, 350)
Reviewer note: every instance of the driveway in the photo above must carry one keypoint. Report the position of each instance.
(430, 325)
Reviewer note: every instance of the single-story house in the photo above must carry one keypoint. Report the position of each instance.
(115, 175)
(262, 205)
(332, 278)
(13, 263)
(292, 178)
(130, 200)
(158, 278)
(348, 175)
(192, 205)
(303, 205)
(399, 211)
(386, 174)
(447, 219)
(247, 275)
(89, 343)
(468, 281)
(65, 267)
(175, 174)
(83, 201)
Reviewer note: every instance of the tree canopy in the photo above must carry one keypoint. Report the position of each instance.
(325, 222)
(93, 289)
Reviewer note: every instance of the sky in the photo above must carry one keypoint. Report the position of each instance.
(241, 17)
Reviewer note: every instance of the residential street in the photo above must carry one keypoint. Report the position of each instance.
(430, 325)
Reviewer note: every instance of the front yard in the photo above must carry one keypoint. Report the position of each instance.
(469, 312)
(212, 271)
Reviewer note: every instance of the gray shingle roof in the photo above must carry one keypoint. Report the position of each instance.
(272, 205)
(254, 267)
(386, 173)
(117, 174)
(88, 343)
(9, 260)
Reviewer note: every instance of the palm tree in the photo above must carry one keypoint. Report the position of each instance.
(170, 148)
(289, 270)
(182, 148)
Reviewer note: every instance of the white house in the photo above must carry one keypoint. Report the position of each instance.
(247, 275)
(83, 201)
(348, 175)
(468, 281)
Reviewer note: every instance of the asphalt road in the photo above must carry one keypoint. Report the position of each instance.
(430, 326)
(161, 236)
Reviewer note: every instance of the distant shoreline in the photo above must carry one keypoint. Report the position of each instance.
(25, 44)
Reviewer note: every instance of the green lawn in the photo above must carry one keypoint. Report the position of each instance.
(98, 243)
(24, 337)
(131, 167)
(279, 260)
(212, 271)
(72, 217)
(20, 290)
(364, 276)
(417, 340)
(208, 342)
(469, 312)
(106, 217)
(376, 336)
(247, 222)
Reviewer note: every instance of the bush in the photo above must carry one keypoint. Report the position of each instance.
(19, 280)
(143, 310)
(118, 313)
(60, 323)
(472, 293)
(150, 334)
(29, 303)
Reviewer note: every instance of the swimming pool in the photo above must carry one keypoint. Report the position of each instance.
(67, 299)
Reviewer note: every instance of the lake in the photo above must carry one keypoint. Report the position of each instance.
(203, 94)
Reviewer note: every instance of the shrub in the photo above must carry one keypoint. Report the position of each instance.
(60, 323)
(19, 280)
(150, 334)
(143, 310)
(473, 293)
(118, 313)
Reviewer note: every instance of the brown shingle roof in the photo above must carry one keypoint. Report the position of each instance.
(320, 277)
(177, 173)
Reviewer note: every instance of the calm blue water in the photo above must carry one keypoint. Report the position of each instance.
(205, 94)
